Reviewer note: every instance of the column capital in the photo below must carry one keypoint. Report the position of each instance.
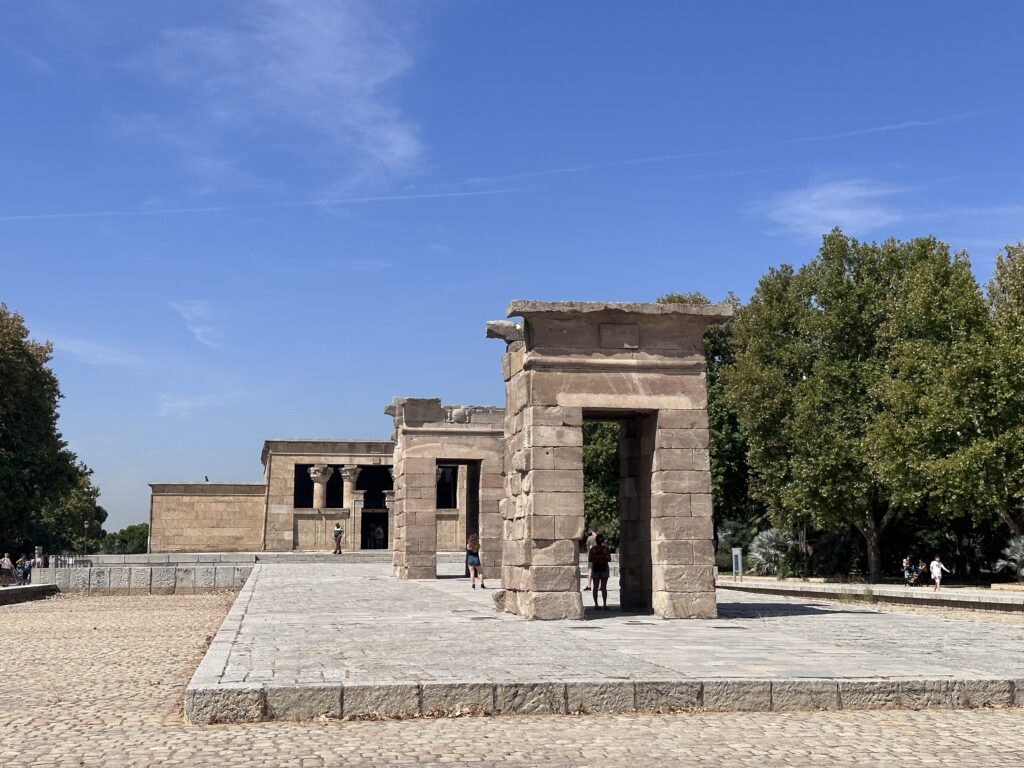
(320, 473)
(350, 473)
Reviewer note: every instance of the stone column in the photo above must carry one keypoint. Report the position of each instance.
(320, 474)
(349, 477)
(461, 502)
(389, 502)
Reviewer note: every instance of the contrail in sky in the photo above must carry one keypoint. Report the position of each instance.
(734, 150)
(250, 206)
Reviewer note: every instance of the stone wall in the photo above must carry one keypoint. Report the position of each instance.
(206, 517)
(144, 580)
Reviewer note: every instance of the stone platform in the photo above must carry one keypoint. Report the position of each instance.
(958, 598)
(341, 640)
(25, 592)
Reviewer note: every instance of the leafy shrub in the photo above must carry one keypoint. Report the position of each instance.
(1013, 558)
(770, 551)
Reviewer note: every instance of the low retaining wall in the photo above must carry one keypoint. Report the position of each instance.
(975, 600)
(143, 580)
(242, 702)
(24, 593)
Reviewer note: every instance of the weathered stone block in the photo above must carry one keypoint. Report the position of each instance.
(604, 696)
(668, 696)
(553, 481)
(225, 703)
(205, 577)
(700, 505)
(44, 576)
(562, 552)
(869, 694)
(391, 700)
(163, 578)
(683, 578)
(80, 578)
(680, 481)
(303, 702)
(737, 695)
(224, 577)
(139, 580)
(63, 579)
(119, 580)
(670, 505)
(674, 459)
(930, 694)
(672, 552)
(185, 580)
(684, 605)
(552, 436)
(804, 695)
(569, 527)
(684, 528)
(554, 578)
(548, 606)
(682, 419)
(985, 693)
(530, 698)
(458, 698)
(681, 438)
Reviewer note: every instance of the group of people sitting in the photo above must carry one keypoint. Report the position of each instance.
(18, 571)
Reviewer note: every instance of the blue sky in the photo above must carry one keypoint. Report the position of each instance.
(264, 220)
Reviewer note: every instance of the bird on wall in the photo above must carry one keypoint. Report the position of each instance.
(206, 478)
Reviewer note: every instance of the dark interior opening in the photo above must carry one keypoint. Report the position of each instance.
(335, 489)
(374, 479)
(375, 529)
(302, 497)
(447, 486)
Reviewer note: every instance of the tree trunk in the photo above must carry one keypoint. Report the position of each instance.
(873, 539)
(1015, 522)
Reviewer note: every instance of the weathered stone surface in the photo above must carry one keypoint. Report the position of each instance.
(139, 580)
(78, 579)
(394, 700)
(805, 694)
(458, 698)
(163, 579)
(667, 696)
(603, 696)
(554, 578)
(44, 576)
(185, 580)
(737, 695)
(551, 605)
(227, 703)
(929, 694)
(869, 694)
(985, 693)
(205, 577)
(119, 580)
(562, 552)
(224, 577)
(303, 702)
(530, 698)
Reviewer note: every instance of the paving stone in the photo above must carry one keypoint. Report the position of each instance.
(804, 694)
(530, 698)
(457, 698)
(302, 702)
(394, 700)
(737, 695)
(667, 695)
(603, 696)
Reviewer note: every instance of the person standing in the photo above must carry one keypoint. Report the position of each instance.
(473, 561)
(338, 536)
(936, 569)
(6, 570)
(591, 541)
(600, 558)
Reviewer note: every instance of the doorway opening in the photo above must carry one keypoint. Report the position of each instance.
(618, 453)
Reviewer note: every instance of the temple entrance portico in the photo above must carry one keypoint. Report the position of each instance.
(641, 365)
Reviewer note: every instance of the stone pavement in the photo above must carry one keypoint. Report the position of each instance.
(342, 640)
(98, 681)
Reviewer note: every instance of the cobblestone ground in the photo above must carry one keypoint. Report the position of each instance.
(98, 681)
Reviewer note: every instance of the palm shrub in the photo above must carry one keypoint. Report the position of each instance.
(1013, 558)
(769, 552)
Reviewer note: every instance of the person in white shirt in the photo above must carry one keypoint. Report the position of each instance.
(936, 569)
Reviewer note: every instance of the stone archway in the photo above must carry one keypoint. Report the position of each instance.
(639, 363)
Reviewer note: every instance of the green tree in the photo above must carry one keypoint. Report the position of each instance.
(74, 523)
(130, 540)
(36, 466)
(812, 350)
(601, 476)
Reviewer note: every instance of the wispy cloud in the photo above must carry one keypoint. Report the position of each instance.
(92, 353)
(199, 318)
(858, 206)
(319, 202)
(316, 69)
(179, 406)
(885, 128)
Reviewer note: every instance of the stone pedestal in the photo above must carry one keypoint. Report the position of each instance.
(641, 365)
